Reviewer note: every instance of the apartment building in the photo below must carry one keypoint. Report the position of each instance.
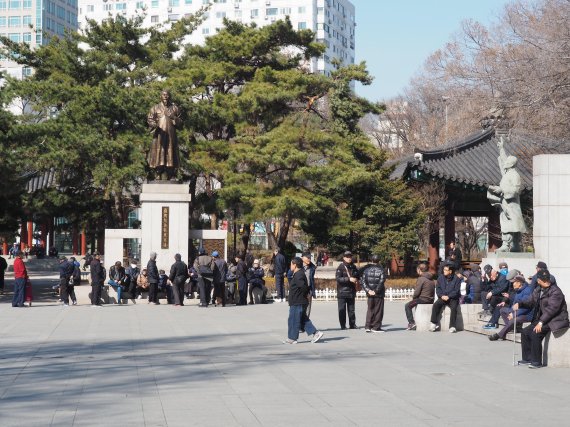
(333, 21)
(34, 22)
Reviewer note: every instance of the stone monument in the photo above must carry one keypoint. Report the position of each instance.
(506, 196)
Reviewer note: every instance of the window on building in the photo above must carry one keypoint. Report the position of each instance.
(154, 19)
(187, 1)
(15, 4)
(254, 13)
(108, 6)
(140, 5)
(154, 4)
(271, 11)
(121, 6)
(173, 3)
(302, 9)
(286, 10)
(38, 38)
(205, 31)
(173, 17)
(205, 1)
(302, 26)
(27, 4)
(2, 21)
(26, 72)
(237, 13)
(3, 4)
(27, 37)
(220, 15)
(14, 21)
(15, 37)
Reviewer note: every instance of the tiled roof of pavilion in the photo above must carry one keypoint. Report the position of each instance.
(473, 160)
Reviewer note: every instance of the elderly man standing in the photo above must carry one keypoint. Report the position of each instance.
(178, 276)
(20, 277)
(346, 280)
(373, 284)
(152, 277)
(280, 268)
(550, 314)
(97, 279)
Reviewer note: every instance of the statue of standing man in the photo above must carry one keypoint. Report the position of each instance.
(163, 119)
(507, 197)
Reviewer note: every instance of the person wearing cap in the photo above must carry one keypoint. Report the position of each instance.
(65, 273)
(549, 314)
(298, 299)
(97, 279)
(310, 270)
(219, 279)
(347, 276)
(521, 292)
(448, 290)
(255, 276)
(423, 293)
(178, 275)
(373, 279)
(541, 265)
(280, 268)
(499, 287)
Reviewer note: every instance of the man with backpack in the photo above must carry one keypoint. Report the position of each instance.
(205, 267)
(373, 279)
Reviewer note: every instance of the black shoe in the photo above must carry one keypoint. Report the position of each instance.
(524, 362)
(353, 327)
(535, 366)
(342, 328)
(493, 337)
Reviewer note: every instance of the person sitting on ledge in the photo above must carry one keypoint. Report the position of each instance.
(447, 290)
(117, 279)
(498, 293)
(541, 265)
(507, 297)
(423, 294)
(550, 314)
(521, 291)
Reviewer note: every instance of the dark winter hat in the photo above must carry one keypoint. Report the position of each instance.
(62, 258)
(487, 269)
(543, 275)
(474, 267)
(519, 278)
(541, 265)
(503, 265)
(347, 254)
(202, 251)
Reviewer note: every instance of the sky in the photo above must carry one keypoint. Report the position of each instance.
(395, 37)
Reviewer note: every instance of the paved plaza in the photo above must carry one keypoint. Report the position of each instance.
(144, 365)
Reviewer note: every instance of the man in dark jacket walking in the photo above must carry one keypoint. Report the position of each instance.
(550, 314)
(310, 270)
(152, 277)
(447, 289)
(65, 273)
(423, 293)
(346, 280)
(373, 279)
(298, 300)
(178, 275)
(97, 279)
(280, 268)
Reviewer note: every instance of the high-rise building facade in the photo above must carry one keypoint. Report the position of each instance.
(34, 22)
(333, 21)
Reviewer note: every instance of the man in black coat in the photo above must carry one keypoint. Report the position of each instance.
(152, 277)
(550, 314)
(65, 273)
(97, 279)
(448, 289)
(178, 275)
(3, 268)
(280, 268)
(298, 301)
(346, 280)
(373, 279)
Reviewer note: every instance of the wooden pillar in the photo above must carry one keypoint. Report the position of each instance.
(30, 241)
(51, 235)
(74, 240)
(433, 246)
(4, 247)
(83, 243)
(23, 235)
(494, 230)
(449, 224)
(43, 235)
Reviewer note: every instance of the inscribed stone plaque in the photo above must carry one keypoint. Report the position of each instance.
(164, 229)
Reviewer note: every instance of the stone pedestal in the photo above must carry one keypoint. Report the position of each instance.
(551, 181)
(164, 222)
(525, 262)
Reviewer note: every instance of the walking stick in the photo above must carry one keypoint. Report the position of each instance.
(514, 338)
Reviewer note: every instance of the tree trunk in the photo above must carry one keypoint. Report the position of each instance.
(213, 221)
(271, 239)
(245, 237)
(284, 231)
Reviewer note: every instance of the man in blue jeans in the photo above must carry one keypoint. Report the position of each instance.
(20, 277)
(298, 301)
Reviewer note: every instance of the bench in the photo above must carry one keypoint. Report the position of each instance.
(83, 294)
(466, 314)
